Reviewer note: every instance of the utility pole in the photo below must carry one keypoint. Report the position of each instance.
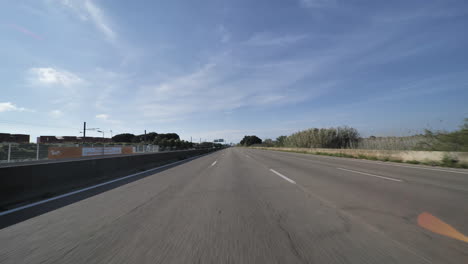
(145, 135)
(84, 132)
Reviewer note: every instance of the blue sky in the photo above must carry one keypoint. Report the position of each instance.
(225, 69)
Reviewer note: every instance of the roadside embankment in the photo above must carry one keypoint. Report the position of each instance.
(27, 183)
(434, 158)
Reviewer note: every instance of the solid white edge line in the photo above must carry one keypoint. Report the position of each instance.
(413, 167)
(92, 187)
(380, 163)
(282, 176)
(214, 163)
(372, 175)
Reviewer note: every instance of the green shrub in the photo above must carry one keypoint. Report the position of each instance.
(449, 161)
(446, 141)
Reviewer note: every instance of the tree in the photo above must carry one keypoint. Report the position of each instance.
(137, 139)
(151, 136)
(268, 142)
(167, 136)
(250, 140)
(340, 137)
(171, 142)
(177, 143)
(163, 143)
(280, 141)
(124, 138)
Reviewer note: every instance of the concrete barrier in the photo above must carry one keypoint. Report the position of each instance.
(28, 183)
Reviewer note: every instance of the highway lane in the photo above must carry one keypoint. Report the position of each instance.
(391, 206)
(252, 206)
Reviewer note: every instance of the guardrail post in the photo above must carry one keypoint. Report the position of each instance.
(9, 152)
(37, 152)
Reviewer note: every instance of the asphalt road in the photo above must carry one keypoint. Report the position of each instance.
(253, 206)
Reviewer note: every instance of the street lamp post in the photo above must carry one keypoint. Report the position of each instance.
(103, 143)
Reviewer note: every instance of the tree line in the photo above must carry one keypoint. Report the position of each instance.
(348, 137)
(144, 138)
(339, 137)
(163, 140)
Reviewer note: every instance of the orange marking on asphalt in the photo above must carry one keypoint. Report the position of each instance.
(434, 224)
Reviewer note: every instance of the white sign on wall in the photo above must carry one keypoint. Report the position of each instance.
(101, 151)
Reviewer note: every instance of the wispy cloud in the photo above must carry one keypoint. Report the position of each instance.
(56, 113)
(430, 11)
(267, 39)
(99, 19)
(25, 31)
(87, 10)
(53, 76)
(211, 88)
(317, 3)
(9, 107)
(224, 33)
(106, 118)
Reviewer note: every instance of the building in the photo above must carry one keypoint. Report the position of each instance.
(13, 138)
(48, 139)
(71, 139)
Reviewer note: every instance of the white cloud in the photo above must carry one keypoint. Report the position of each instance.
(106, 118)
(8, 106)
(56, 113)
(102, 116)
(266, 39)
(87, 10)
(51, 76)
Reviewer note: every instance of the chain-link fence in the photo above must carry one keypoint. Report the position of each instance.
(22, 152)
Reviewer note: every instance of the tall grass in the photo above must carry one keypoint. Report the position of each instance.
(347, 137)
(446, 141)
(391, 143)
(340, 137)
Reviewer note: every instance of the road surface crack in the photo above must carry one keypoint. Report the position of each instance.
(292, 244)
